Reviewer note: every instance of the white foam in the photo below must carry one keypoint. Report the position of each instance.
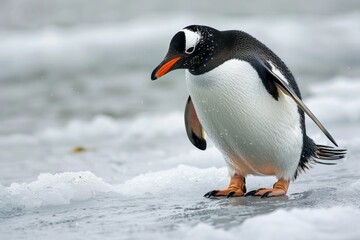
(53, 189)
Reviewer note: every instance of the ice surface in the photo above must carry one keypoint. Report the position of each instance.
(337, 100)
(297, 224)
(155, 181)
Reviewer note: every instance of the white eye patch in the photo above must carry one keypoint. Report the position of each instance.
(191, 40)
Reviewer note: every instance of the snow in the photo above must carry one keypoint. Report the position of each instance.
(53, 189)
(297, 224)
(183, 180)
(105, 126)
(336, 100)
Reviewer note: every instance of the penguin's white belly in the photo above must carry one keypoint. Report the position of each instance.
(256, 133)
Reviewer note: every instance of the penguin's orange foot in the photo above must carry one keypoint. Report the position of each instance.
(279, 189)
(236, 188)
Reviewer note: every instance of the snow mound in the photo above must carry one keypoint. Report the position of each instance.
(53, 189)
(63, 188)
(332, 223)
(181, 180)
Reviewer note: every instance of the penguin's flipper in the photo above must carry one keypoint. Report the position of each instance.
(193, 127)
(286, 89)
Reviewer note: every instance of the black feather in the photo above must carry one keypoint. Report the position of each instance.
(317, 154)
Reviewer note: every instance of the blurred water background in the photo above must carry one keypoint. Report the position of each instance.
(77, 74)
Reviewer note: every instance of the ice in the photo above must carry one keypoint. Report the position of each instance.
(105, 126)
(353, 189)
(182, 180)
(53, 189)
(85, 43)
(305, 223)
(297, 224)
(174, 195)
(336, 100)
(99, 126)
(63, 188)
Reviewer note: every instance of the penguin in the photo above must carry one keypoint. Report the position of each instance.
(246, 100)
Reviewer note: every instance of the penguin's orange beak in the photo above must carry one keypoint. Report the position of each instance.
(163, 68)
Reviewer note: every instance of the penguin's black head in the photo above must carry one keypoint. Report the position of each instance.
(190, 49)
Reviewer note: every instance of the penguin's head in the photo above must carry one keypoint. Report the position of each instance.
(190, 48)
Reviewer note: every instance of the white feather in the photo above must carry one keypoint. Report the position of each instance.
(277, 72)
(191, 40)
(256, 134)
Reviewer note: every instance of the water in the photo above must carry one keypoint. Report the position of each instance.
(77, 74)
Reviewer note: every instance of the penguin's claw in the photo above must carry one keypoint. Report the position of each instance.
(280, 188)
(270, 192)
(230, 192)
(211, 194)
(251, 193)
(236, 188)
(266, 192)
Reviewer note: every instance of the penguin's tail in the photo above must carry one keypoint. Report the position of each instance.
(314, 153)
(326, 154)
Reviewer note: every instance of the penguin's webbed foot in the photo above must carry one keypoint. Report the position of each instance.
(236, 188)
(279, 189)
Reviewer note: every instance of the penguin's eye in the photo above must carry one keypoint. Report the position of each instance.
(190, 50)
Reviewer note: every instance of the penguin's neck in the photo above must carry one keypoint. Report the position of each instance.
(216, 52)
